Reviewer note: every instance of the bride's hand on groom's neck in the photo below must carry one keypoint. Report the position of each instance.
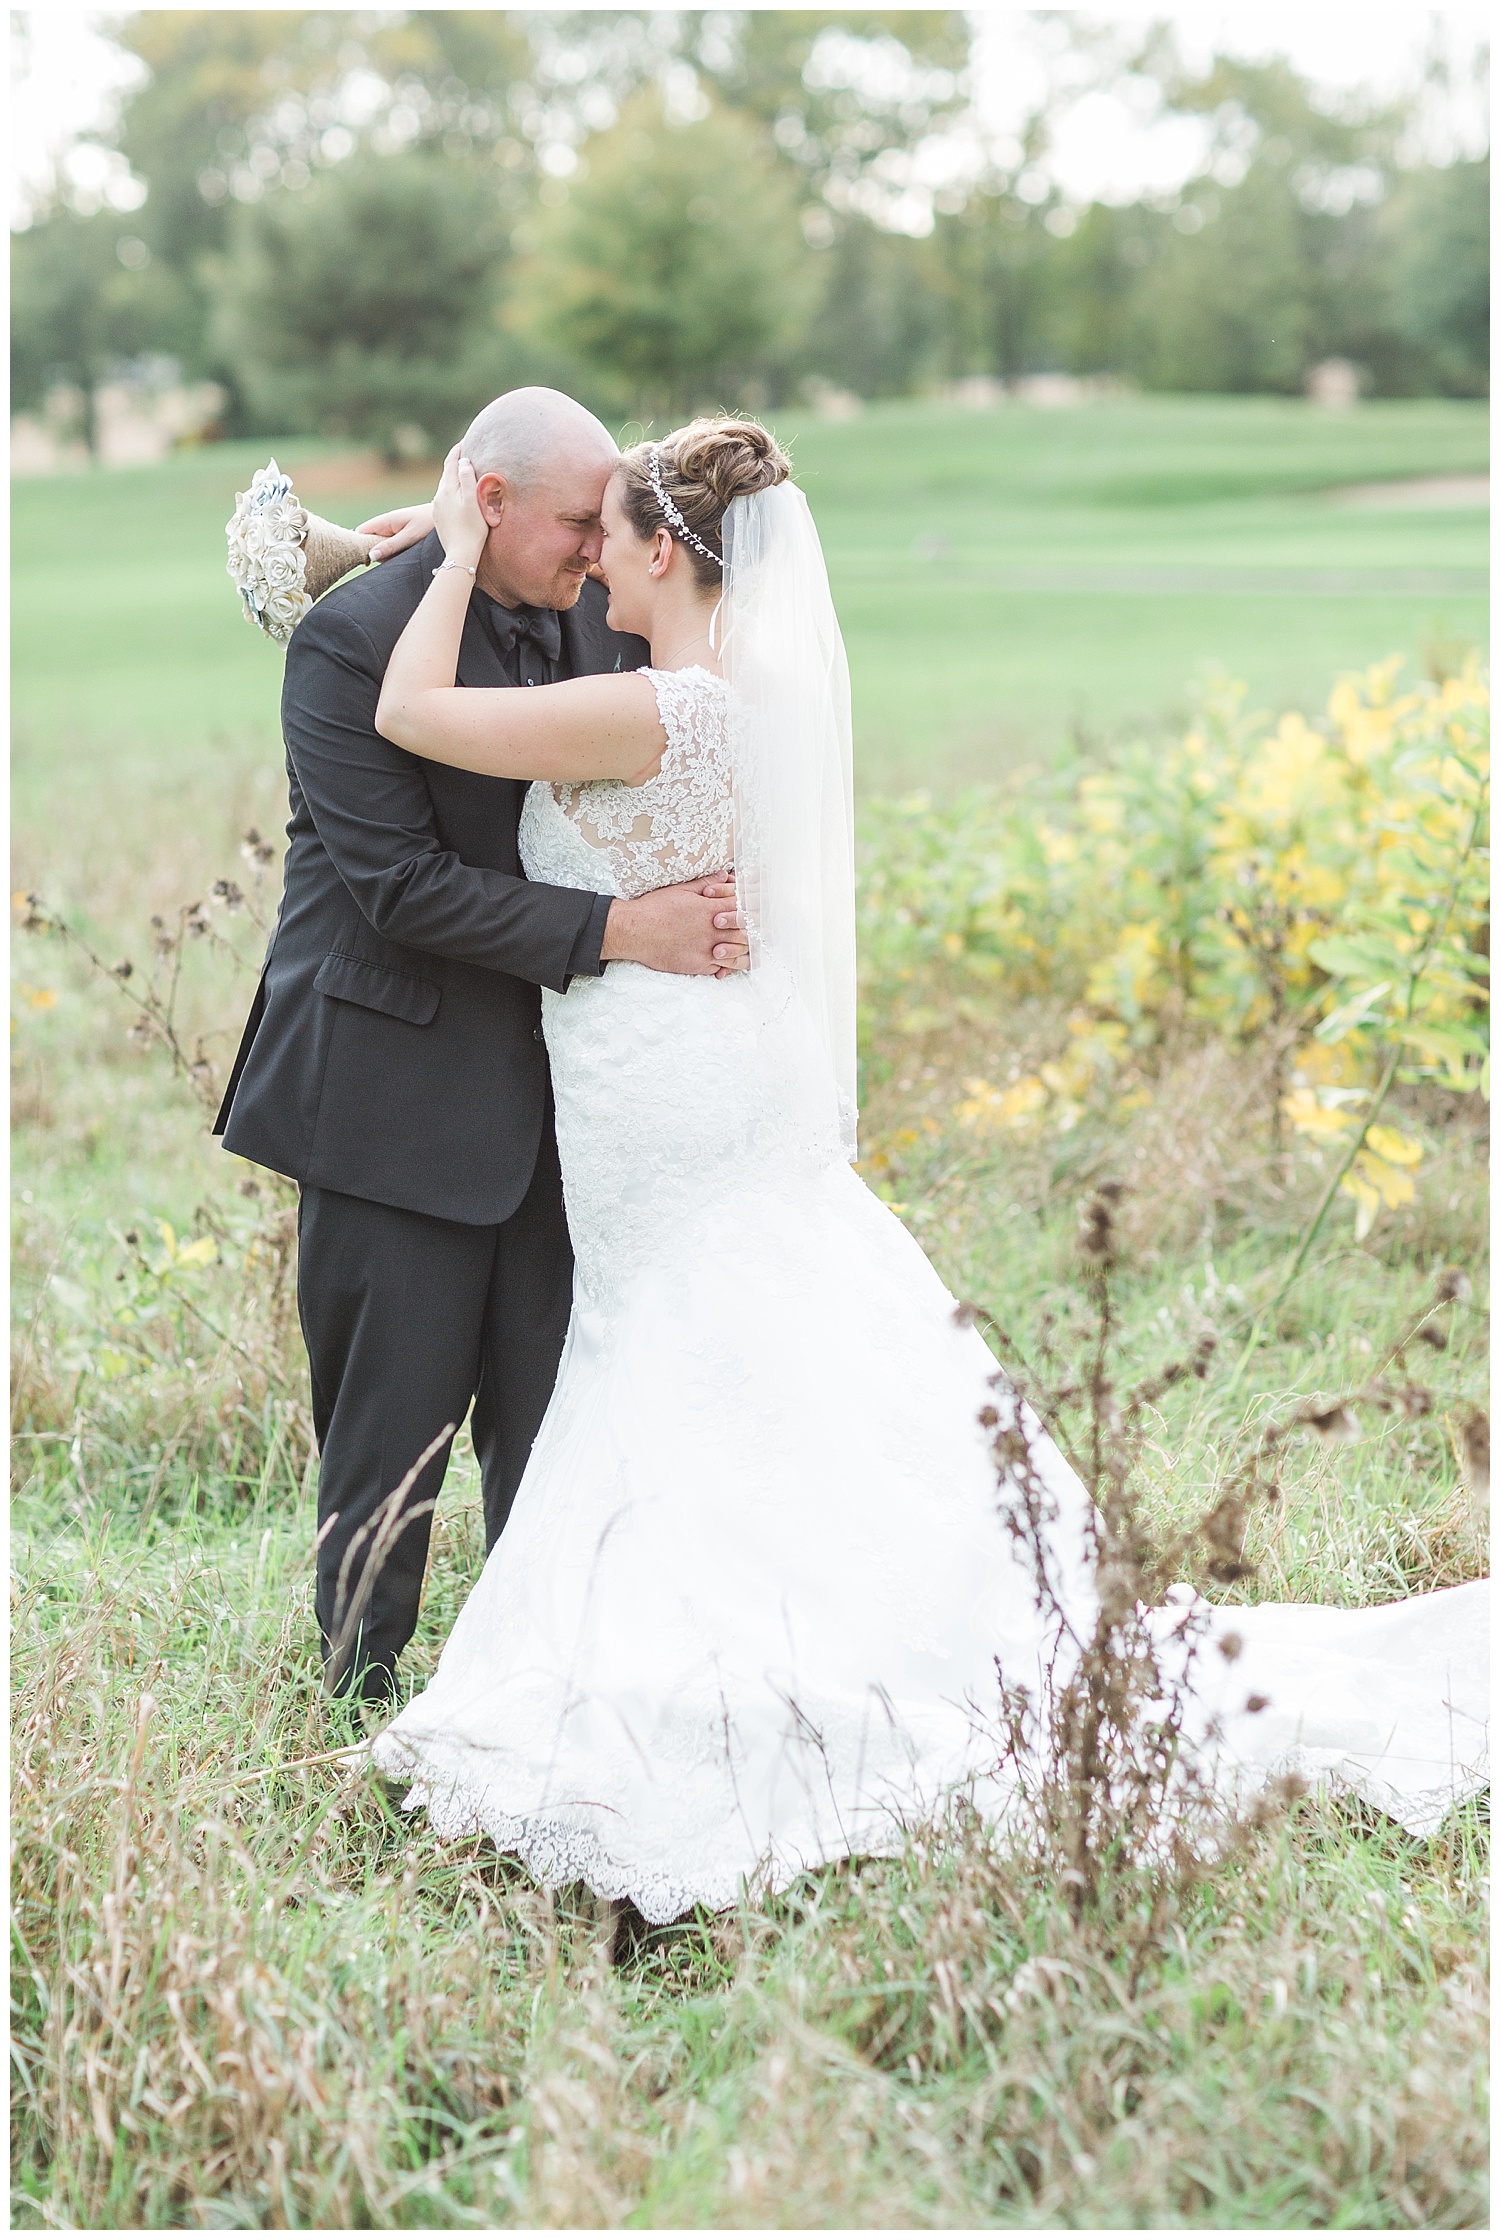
(402, 526)
(694, 930)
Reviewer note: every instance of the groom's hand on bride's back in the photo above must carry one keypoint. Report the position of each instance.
(694, 929)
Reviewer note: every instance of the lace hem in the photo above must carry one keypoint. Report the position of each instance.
(557, 1847)
(555, 1851)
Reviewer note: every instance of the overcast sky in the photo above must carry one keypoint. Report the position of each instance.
(66, 74)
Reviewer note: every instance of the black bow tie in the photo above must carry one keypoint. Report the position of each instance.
(514, 626)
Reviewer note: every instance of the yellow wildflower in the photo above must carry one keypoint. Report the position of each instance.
(1307, 1111)
(1371, 1183)
(1389, 1144)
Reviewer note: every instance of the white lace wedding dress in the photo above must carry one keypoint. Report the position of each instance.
(751, 1603)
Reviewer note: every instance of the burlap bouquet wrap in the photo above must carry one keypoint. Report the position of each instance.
(282, 557)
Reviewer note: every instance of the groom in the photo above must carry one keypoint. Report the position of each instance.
(393, 1060)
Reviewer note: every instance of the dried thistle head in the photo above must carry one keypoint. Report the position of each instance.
(1098, 1236)
(1453, 1285)
(1335, 1426)
(1474, 1452)
(229, 896)
(1223, 1535)
(256, 850)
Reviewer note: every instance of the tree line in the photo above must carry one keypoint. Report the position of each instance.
(364, 225)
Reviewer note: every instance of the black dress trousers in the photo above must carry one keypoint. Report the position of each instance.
(407, 1319)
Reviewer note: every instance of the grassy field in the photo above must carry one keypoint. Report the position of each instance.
(254, 1998)
(1001, 575)
(250, 1999)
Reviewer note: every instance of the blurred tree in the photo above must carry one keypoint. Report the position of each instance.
(241, 101)
(1093, 273)
(1251, 281)
(1232, 306)
(1439, 239)
(86, 298)
(364, 306)
(190, 125)
(881, 328)
(999, 264)
(842, 91)
(1302, 238)
(675, 268)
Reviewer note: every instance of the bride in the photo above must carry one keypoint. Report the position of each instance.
(754, 1604)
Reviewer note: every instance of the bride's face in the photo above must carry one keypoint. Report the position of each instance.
(635, 568)
(625, 565)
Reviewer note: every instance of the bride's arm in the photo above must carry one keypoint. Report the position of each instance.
(590, 727)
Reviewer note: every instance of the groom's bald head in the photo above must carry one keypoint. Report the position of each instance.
(542, 462)
(525, 432)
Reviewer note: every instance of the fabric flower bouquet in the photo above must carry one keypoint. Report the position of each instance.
(282, 557)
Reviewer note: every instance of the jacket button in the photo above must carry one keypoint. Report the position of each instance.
(537, 1035)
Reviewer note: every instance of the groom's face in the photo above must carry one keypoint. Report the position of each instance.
(544, 536)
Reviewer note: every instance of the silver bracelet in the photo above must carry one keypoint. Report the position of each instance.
(459, 566)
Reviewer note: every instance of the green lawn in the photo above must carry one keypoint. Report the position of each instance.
(1003, 576)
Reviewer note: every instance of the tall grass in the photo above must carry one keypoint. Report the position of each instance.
(251, 1996)
(250, 1993)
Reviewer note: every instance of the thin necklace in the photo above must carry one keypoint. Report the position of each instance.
(672, 656)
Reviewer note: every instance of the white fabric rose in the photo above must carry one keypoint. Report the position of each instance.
(283, 611)
(283, 568)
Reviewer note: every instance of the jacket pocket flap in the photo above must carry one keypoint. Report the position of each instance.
(354, 980)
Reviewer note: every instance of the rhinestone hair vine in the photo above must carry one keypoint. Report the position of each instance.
(674, 518)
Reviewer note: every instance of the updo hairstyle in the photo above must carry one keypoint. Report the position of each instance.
(704, 467)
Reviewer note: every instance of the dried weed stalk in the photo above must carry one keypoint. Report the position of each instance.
(1114, 1794)
(153, 994)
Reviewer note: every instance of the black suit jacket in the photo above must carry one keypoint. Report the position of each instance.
(394, 1048)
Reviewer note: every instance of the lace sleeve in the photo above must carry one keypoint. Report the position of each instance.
(678, 825)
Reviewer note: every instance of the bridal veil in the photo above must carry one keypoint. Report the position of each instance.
(784, 660)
